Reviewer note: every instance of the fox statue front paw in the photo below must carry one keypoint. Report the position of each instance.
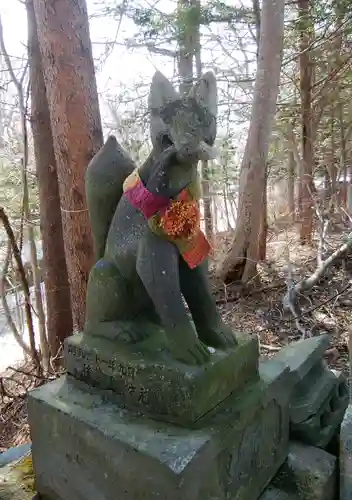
(220, 336)
(188, 349)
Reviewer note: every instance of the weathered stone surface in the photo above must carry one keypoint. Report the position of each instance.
(303, 355)
(144, 274)
(319, 429)
(162, 388)
(12, 486)
(272, 493)
(277, 375)
(310, 395)
(88, 448)
(104, 178)
(309, 473)
(346, 456)
(319, 396)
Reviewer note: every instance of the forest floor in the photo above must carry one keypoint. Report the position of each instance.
(326, 308)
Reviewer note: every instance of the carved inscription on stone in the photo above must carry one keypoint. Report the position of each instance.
(121, 378)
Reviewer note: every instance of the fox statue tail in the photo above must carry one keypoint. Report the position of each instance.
(104, 179)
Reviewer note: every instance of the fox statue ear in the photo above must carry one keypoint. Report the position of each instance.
(161, 93)
(205, 92)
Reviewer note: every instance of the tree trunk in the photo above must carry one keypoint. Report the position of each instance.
(256, 12)
(264, 216)
(349, 192)
(263, 222)
(226, 196)
(226, 208)
(186, 42)
(190, 50)
(68, 69)
(241, 261)
(333, 170)
(343, 156)
(291, 185)
(205, 170)
(58, 300)
(306, 184)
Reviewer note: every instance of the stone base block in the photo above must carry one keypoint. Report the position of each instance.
(309, 473)
(319, 429)
(346, 456)
(311, 394)
(302, 356)
(164, 389)
(86, 447)
(319, 396)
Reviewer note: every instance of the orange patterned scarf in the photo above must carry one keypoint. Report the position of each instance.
(176, 220)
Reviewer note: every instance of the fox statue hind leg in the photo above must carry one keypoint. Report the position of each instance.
(104, 178)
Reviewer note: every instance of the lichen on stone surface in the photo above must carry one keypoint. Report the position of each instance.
(17, 480)
(25, 472)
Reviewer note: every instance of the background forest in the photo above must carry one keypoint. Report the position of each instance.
(277, 202)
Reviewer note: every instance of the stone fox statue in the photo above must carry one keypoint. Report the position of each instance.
(146, 228)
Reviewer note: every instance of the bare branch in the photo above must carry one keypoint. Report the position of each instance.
(5, 306)
(17, 256)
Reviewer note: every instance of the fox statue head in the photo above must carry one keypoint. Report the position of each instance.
(188, 122)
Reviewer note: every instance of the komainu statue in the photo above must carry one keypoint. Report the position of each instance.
(151, 252)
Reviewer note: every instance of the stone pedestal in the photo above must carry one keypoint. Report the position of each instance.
(309, 473)
(319, 397)
(87, 446)
(346, 456)
(161, 387)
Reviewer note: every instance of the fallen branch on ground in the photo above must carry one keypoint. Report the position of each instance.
(272, 348)
(318, 306)
(308, 283)
(249, 293)
(290, 300)
(29, 374)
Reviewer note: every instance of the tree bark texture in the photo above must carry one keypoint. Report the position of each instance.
(291, 185)
(306, 74)
(58, 300)
(264, 222)
(263, 235)
(68, 68)
(240, 264)
(187, 44)
(343, 157)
